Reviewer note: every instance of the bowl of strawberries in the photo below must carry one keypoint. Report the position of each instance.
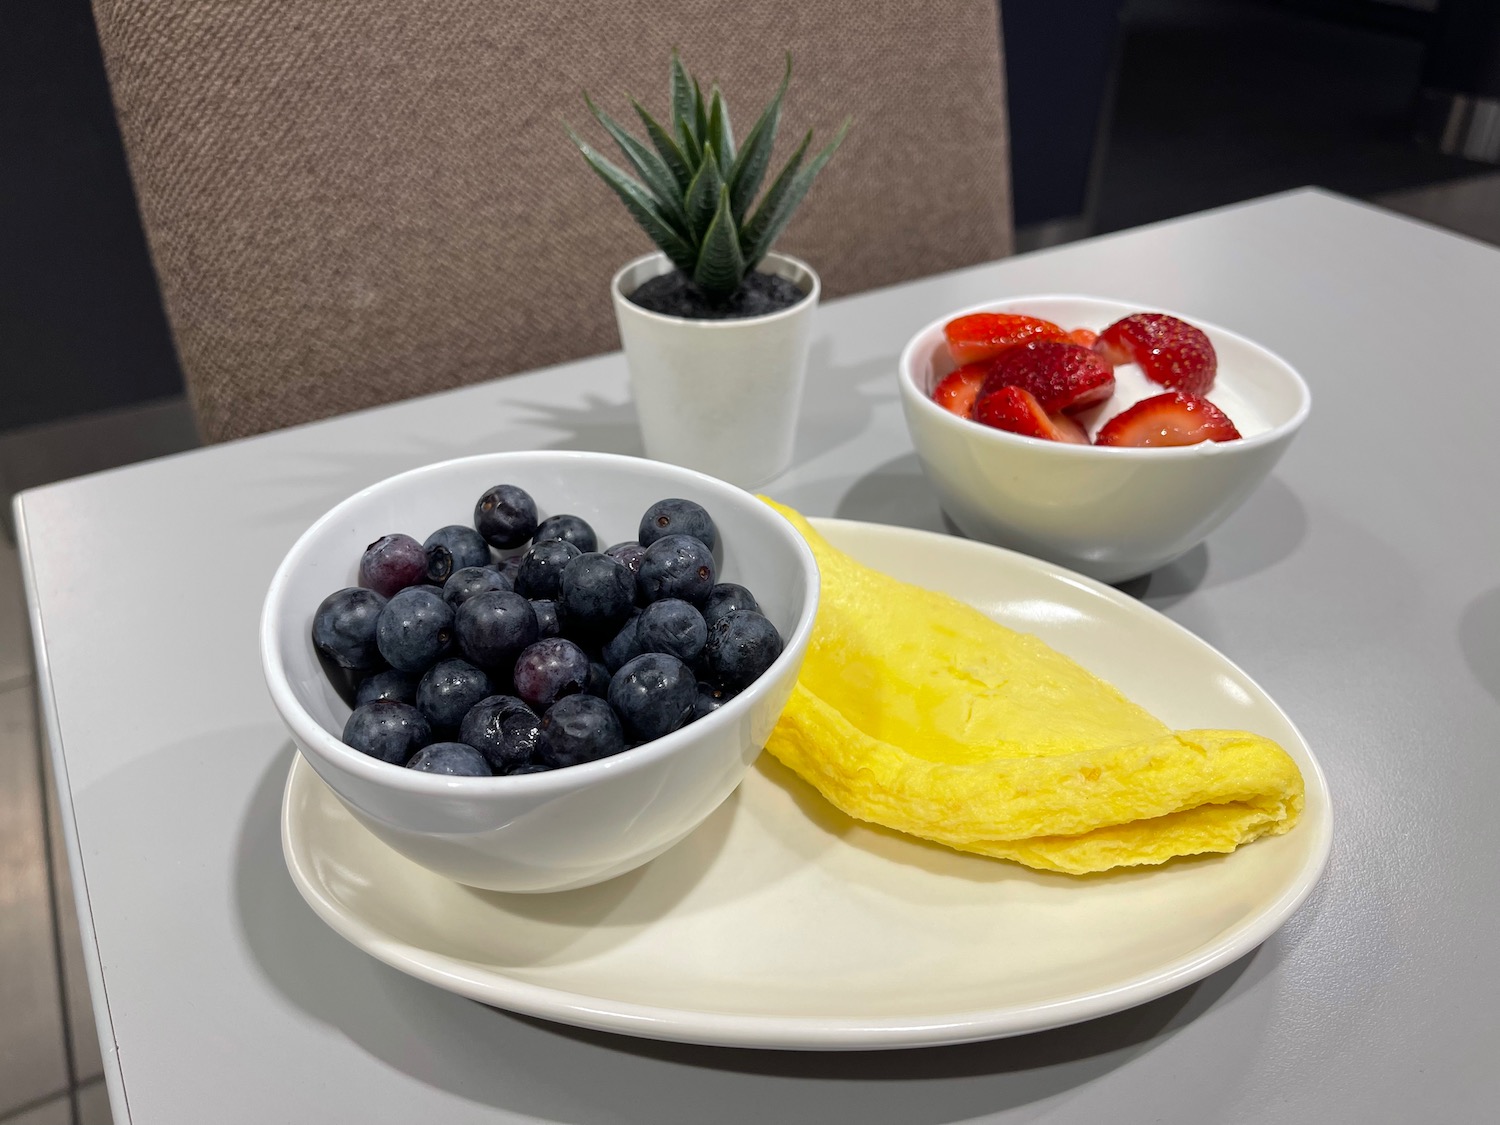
(1103, 436)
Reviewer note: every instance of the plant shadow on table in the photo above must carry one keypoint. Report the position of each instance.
(596, 424)
(1479, 639)
(530, 1066)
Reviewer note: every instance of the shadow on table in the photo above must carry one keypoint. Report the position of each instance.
(1479, 638)
(529, 1066)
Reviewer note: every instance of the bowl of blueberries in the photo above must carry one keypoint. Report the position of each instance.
(535, 671)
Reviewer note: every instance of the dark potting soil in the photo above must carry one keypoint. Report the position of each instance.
(673, 294)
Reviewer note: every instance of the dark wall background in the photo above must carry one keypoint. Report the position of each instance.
(81, 326)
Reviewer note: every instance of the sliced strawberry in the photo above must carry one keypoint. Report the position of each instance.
(981, 336)
(1083, 337)
(1062, 376)
(1177, 418)
(1170, 351)
(958, 390)
(1017, 410)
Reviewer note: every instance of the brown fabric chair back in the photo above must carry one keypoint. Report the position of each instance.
(353, 203)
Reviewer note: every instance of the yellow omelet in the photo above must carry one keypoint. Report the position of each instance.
(918, 712)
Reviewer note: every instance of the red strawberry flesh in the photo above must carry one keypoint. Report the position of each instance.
(1062, 376)
(1017, 411)
(958, 390)
(1176, 418)
(981, 336)
(1170, 351)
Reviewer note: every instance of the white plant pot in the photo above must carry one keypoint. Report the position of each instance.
(719, 396)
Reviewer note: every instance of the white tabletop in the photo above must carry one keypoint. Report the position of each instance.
(1360, 586)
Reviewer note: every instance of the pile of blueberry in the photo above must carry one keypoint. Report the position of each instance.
(557, 654)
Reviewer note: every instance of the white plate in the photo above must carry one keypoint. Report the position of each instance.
(783, 923)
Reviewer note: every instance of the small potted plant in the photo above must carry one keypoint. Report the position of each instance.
(715, 325)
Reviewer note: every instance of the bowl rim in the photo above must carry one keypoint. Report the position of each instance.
(915, 399)
(311, 734)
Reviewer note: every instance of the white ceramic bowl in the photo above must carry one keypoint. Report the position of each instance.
(1111, 513)
(569, 827)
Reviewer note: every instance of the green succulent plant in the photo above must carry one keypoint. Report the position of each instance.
(696, 195)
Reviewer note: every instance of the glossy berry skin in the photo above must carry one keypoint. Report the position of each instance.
(597, 595)
(546, 618)
(505, 516)
(622, 646)
(392, 563)
(387, 730)
(673, 627)
(710, 698)
(539, 575)
(598, 683)
(677, 566)
(390, 684)
(503, 729)
(630, 553)
(1170, 351)
(957, 390)
(466, 545)
(1060, 376)
(549, 670)
(451, 758)
(1171, 419)
(726, 597)
(448, 690)
(415, 629)
(578, 729)
(344, 628)
(508, 567)
(1016, 410)
(493, 629)
(675, 516)
(653, 694)
(471, 580)
(741, 645)
(570, 529)
(980, 336)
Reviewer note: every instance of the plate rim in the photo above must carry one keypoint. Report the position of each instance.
(821, 1033)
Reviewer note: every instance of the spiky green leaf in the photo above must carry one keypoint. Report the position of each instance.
(682, 93)
(721, 266)
(671, 153)
(700, 114)
(648, 166)
(752, 160)
(789, 200)
(703, 195)
(719, 134)
(770, 203)
(642, 207)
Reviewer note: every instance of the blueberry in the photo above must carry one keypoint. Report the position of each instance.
(597, 595)
(439, 564)
(546, 618)
(598, 683)
(503, 729)
(344, 628)
(741, 645)
(448, 690)
(630, 554)
(570, 529)
(653, 695)
(390, 684)
(493, 628)
(580, 728)
(473, 580)
(466, 545)
(671, 626)
(530, 767)
(387, 730)
(677, 566)
(392, 563)
(678, 517)
(710, 699)
(415, 629)
(505, 516)
(451, 758)
(623, 646)
(508, 568)
(727, 597)
(549, 670)
(540, 572)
